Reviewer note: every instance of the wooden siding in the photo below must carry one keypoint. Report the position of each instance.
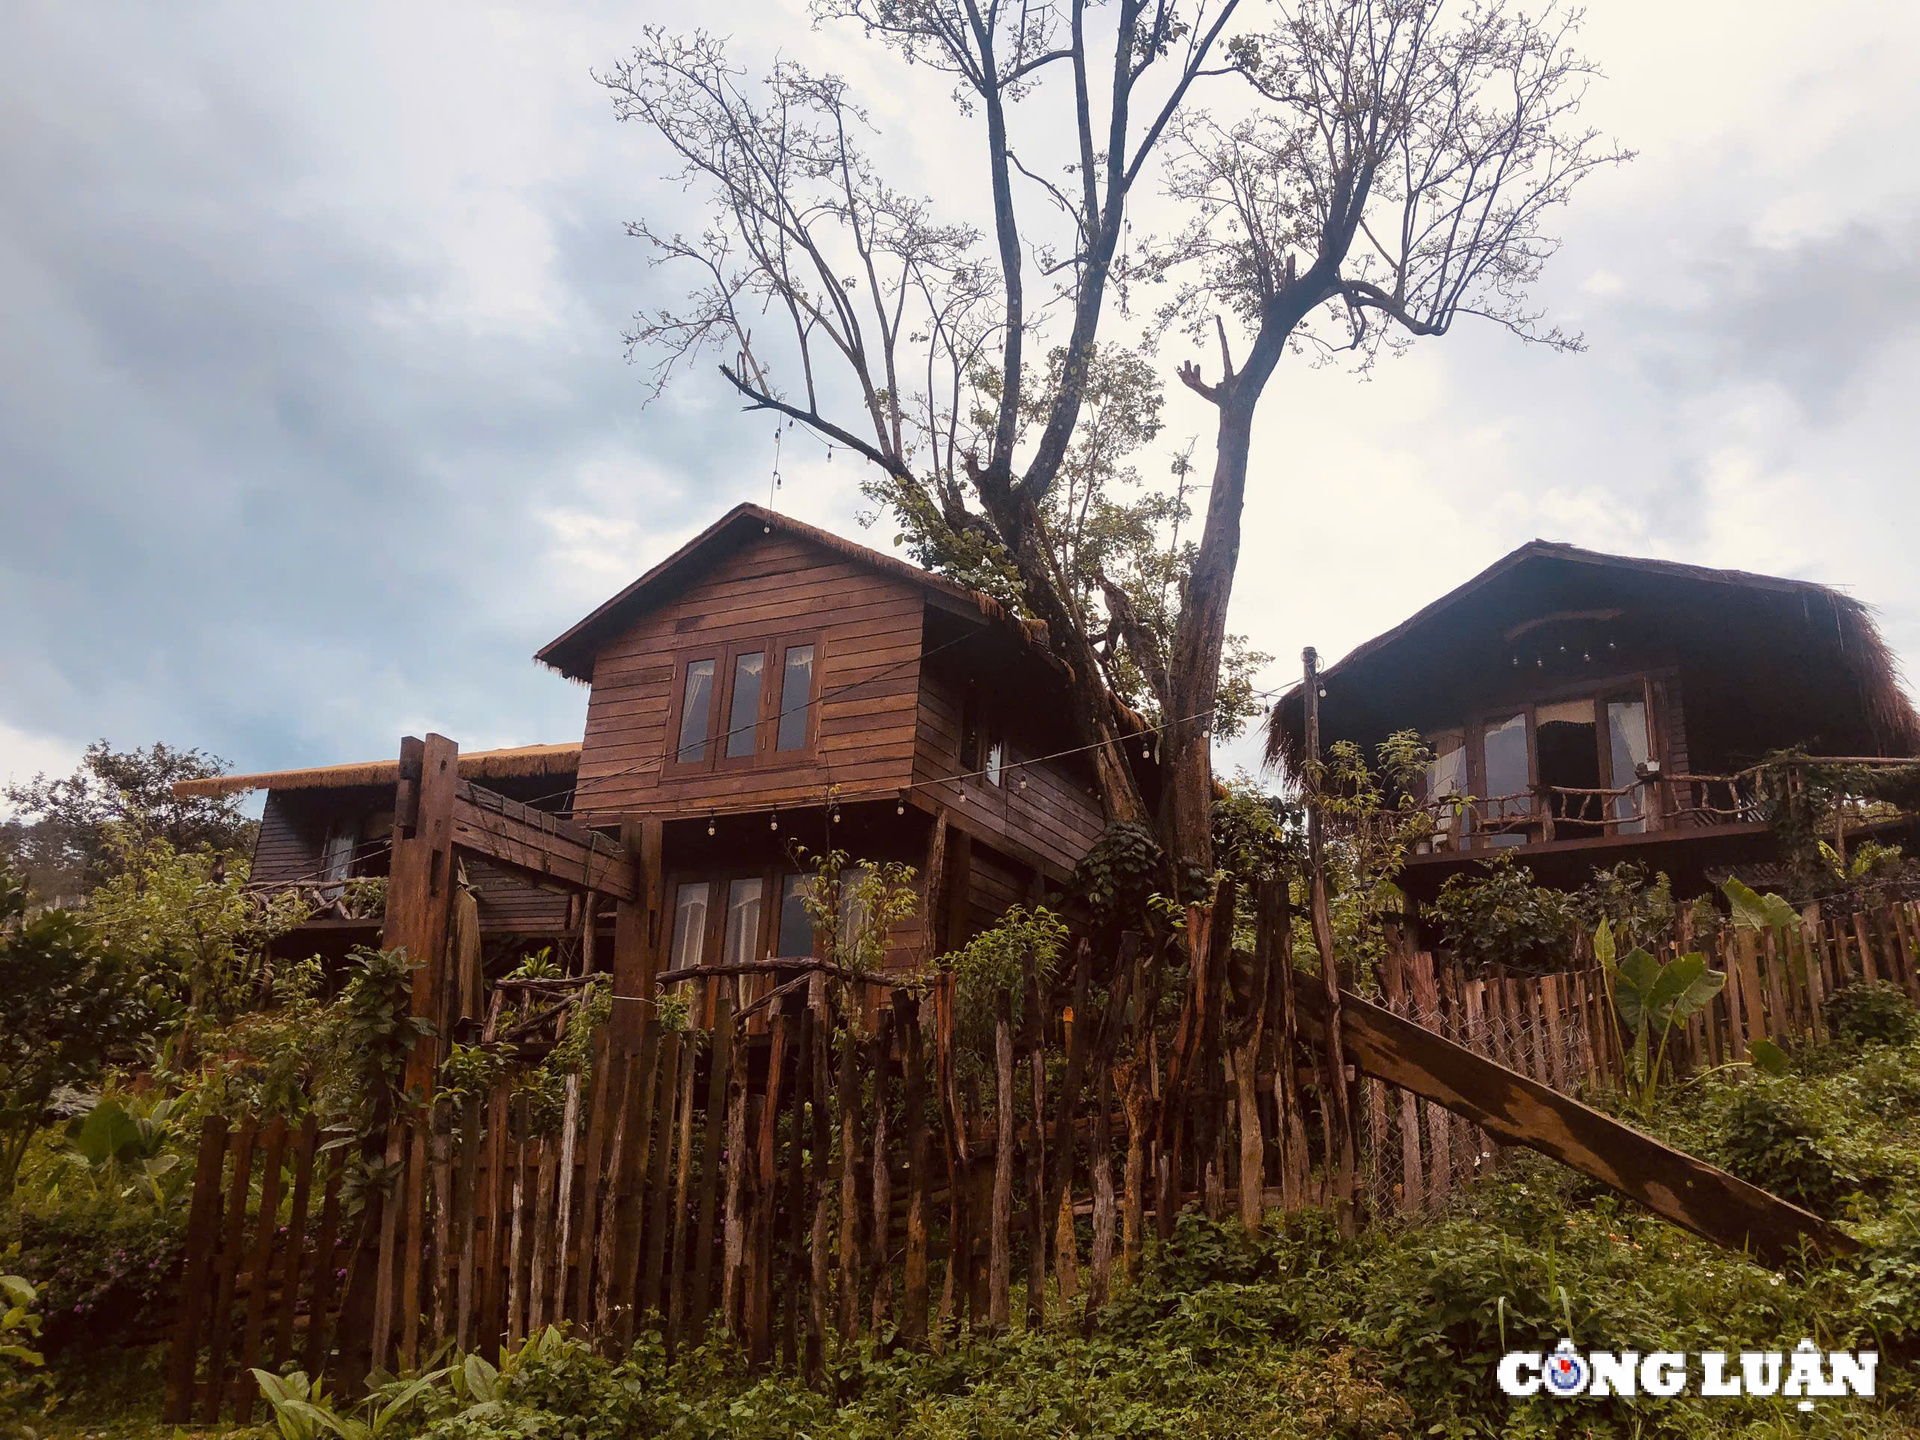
(1054, 820)
(867, 675)
(509, 903)
(994, 886)
(288, 845)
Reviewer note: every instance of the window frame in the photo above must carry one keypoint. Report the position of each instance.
(766, 723)
(1636, 686)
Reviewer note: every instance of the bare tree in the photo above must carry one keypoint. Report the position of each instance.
(1389, 170)
(910, 338)
(1393, 176)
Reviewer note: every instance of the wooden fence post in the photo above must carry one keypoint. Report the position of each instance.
(203, 1234)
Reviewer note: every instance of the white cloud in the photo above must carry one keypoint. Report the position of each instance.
(24, 755)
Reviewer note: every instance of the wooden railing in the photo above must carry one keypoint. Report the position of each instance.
(1649, 803)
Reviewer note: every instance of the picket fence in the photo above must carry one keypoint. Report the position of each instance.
(830, 1173)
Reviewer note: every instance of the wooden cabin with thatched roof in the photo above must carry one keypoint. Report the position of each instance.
(766, 693)
(1585, 708)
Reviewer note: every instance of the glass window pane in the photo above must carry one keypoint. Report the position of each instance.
(1630, 749)
(689, 925)
(1503, 752)
(853, 906)
(744, 714)
(796, 929)
(742, 938)
(996, 759)
(696, 710)
(1504, 749)
(336, 856)
(796, 691)
(1447, 775)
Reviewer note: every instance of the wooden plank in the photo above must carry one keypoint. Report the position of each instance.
(260, 1270)
(239, 1188)
(879, 1263)
(296, 1244)
(1869, 962)
(818, 1201)
(847, 1308)
(1437, 1123)
(676, 1292)
(797, 1200)
(1905, 932)
(439, 1122)
(202, 1237)
(1690, 1193)
(593, 1159)
(466, 1225)
(498, 1197)
(325, 1251)
(719, 1078)
(505, 830)
(666, 1098)
(513, 1288)
(630, 1206)
(999, 1238)
(415, 1254)
(1412, 1170)
(563, 1200)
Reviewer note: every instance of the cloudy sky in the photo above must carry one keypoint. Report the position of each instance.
(315, 420)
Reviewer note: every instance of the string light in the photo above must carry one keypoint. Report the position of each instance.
(709, 824)
(773, 821)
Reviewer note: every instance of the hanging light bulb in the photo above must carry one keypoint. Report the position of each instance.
(773, 821)
(900, 807)
(836, 814)
(709, 824)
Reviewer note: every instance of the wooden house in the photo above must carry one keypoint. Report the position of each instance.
(1585, 708)
(767, 693)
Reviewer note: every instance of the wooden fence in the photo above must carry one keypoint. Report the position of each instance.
(265, 1250)
(1557, 1028)
(860, 1165)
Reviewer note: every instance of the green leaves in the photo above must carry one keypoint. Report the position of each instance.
(1651, 999)
(1753, 911)
(1767, 1056)
(1652, 996)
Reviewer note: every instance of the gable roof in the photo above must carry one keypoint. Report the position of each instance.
(1845, 635)
(540, 761)
(572, 653)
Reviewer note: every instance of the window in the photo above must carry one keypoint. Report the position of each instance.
(336, 854)
(740, 941)
(689, 945)
(1446, 776)
(743, 714)
(796, 926)
(696, 712)
(1504, 763)
(745, 705)
(996, 759)
(796, 691)
(1630, 753)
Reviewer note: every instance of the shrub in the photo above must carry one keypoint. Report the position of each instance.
(1767, 1140)
(1872, 1012)
(106, 1272)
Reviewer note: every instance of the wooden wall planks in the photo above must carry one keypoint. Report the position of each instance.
(869, 627)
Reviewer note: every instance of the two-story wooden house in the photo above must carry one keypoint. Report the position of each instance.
(766, 690)
(1586, 708)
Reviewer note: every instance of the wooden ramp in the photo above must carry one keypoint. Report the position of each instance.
(1517, 1111)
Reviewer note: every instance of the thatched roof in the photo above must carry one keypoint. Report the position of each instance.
(1764, 662)
(572, 654)
(536, 761)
